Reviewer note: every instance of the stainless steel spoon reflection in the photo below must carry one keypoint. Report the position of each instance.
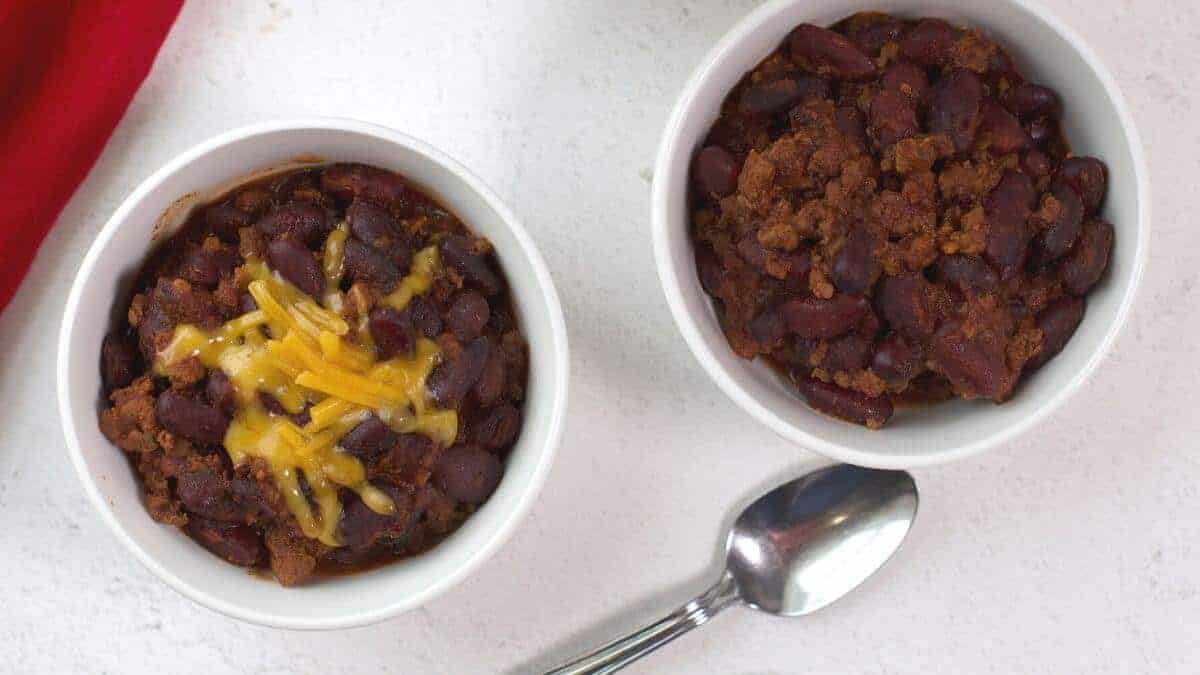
(793, 551)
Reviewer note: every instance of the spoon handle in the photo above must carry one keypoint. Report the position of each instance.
(625, 650)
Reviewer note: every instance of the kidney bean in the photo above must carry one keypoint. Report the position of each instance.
(768, 329)
(1041, 131)
(376, 227)
(892, 117)
(498, 427)
(772, 98)
(154, 322)
(715, 172)
(237, 543)
(855, 269)
(1002, 67)
(220, 392)
(709, 269)
(392, 331)
(360, 527)
(799, 265)
(1060, 235)
(1057, 323)
(954, 107)
(450, 381)
(929, 43)
(206, 266)
(1007, 208)
(1000, 132)
(847, 353)
(348, 182)
(825, 53)
(908, 79)
(296, 263)
(872, 34)
(154, 330)
(966, 273)
(1038, 288)
(906, 304)
(366, 264)
(425, 317)
(307, 223)
(255, 498)
(295, 184)
(870, 324)
(1085, 264)
(468, 315)
(850, 122)
(975, 366)
(271, 403)
(845, 403)
(490, 386)
(253, 201)
(1088, 177)
(247, 303)
(118, 362)
(467, 473)
(225, 221)
(1035, 164)
(896, 360)
(845, 93)
(370, 438)
(811, 88)
(752, 251)
(463, 254)
(769, 98)
(190, 418)
(821, 319)
(500, 318)
(794, 353)
(206, 493)
(1031, 100)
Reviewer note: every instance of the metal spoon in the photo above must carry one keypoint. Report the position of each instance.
(793, 551)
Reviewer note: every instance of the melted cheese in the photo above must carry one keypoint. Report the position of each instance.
(425, 266)
(309, 354)
(334, 264)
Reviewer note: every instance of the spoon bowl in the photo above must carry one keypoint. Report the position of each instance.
(808, 542)
(792, 551)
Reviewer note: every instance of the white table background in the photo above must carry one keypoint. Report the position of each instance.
(1073, 549)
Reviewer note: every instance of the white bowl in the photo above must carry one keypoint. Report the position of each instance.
(1096, 120)
(104, 277)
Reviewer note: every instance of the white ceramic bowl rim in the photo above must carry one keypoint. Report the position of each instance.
(670, 275)
(557, 356)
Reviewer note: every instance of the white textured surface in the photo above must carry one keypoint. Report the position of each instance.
(1072, 550)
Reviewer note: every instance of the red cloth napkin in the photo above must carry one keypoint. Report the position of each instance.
(68, 69)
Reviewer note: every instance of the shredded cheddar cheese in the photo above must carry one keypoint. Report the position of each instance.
(302, 353)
